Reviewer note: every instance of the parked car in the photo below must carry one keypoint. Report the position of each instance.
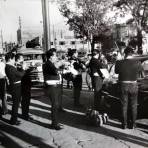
(111, 96)
(33, 58)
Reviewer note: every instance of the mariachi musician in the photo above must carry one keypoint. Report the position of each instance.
(14, 76)
(52, 83)
(97, 77)
(76, 67)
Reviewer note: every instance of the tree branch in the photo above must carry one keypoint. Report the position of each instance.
(144, 10)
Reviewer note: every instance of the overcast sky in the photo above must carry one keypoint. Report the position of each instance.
(31, 15)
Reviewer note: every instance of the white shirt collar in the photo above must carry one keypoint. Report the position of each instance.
(129, 57)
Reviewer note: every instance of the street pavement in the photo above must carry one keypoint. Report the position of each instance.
(76, 132)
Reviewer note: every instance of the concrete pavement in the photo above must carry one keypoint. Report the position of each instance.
(76, 132)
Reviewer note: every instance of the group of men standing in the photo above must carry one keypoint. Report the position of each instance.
(18, 83)
(127, 68)
(53, 82)
(19, 79)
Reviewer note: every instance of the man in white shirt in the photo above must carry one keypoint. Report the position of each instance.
(4, 109)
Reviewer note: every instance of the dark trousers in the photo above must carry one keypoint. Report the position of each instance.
(3, 95)
(77, 86)
(54, 92)
(26, 97)
(97, 83)
(129, 94)
(16, 98)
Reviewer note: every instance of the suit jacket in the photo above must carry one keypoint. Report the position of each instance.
(13, 74)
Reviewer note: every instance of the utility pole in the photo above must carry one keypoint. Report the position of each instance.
(53, 36)
(46, 24)
(61, 34)
(20, 31)
(2, 39)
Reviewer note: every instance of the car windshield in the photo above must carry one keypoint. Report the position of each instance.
(33, 57)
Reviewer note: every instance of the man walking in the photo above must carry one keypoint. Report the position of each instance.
(128, 70)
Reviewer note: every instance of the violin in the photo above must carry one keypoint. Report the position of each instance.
(19, 66)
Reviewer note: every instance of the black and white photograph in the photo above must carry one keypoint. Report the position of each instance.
(73, 73)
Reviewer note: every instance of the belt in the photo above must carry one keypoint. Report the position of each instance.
(4, 77)
(53, 82)
(17, 82)
(128, 81)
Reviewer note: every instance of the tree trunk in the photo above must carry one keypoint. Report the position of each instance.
(139, 41)
(92, 45)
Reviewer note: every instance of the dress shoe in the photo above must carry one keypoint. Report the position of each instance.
(124, 126)
(78, 105)
(133, 126)
(5, 112)
(27, 118)
(15, 122)
(61, 110)
(56, 126)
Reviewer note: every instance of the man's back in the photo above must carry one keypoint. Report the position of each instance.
(128, 69)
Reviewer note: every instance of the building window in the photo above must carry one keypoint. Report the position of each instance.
(61, 43)
(73, 42)
(83, 42)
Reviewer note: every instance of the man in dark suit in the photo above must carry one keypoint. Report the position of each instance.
(26, 94)
(14, 77)
(77, 67)
(97, 78)
(25, 86)
(52, 85)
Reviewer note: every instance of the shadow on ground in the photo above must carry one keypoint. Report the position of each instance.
(75, 117)
(7, 142)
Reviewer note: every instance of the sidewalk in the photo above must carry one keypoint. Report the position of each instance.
(76, 132)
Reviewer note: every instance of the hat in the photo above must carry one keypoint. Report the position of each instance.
(128, 50)
(71, 52)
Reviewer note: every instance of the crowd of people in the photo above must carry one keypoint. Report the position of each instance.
(17, 77)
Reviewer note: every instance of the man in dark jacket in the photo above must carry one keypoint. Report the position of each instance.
(25, 86)
(97, 78)
(77, 67)
(14, 77)
(128, 70)
(26, 94)
(52, 85)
